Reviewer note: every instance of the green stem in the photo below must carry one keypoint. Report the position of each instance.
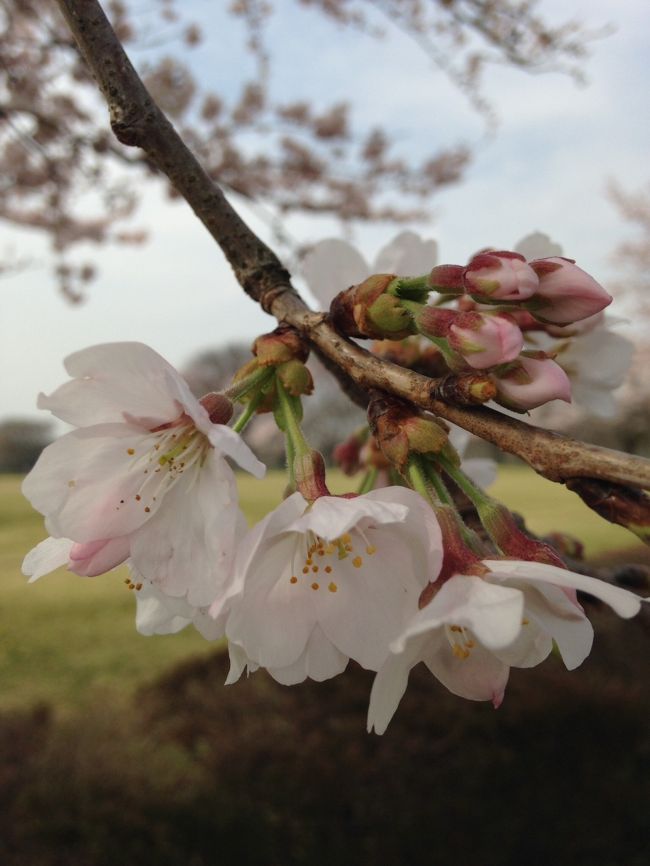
(368, 480)
(249, 383)
(291, 461)
(443, 494)
(468, 535)
(420, 481)
(476, 496)
(251, 407)
(292, 425)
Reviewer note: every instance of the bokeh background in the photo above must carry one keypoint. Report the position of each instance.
(116, 748)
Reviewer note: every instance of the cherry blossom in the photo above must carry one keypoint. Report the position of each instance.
(316, 585)
(596, 361)
(144, 475)
(477, 627)
(333, 265)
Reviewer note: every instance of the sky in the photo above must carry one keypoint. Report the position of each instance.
(545, 169)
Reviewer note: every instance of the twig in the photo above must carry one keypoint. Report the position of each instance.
(137, 120)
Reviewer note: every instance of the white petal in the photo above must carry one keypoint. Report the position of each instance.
(479, 677)
(232, 445)
(562, 620)
(110, 380)
(332, 516)
(372, 602)
(188, 547)
(253, 544)
(330, 267)
(530, 648)
(86, 482)
(49, 554)
(492, 613)
(538, 245)
(420, 528)
(319, 661)
(239, 661)
(407, 255)
(390, 684)
(158, 614)
(625, 603)
(269, 619)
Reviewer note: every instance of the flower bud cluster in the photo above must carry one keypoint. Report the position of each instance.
(487, 306)
(553, 290)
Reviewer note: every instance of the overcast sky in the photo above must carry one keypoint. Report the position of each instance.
(547, 167)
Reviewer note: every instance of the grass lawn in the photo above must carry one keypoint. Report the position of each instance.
(71, 641)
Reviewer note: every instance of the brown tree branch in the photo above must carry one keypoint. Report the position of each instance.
(138, 121)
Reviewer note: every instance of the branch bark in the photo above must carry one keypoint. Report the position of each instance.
(137, 120)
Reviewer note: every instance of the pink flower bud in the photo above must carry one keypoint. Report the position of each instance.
(485, 340)
(97, 557)
(584, 326)
(501, 275)
(569, 294)
(447, 279)
(531, 382)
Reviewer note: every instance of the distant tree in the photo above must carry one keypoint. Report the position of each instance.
(21, 441)
(67, 177)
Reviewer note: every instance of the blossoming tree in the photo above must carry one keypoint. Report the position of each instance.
(417, 563)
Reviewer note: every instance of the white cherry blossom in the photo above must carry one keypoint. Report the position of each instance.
(144, 476)
(333, 265)
(476, 628)
(317, 585)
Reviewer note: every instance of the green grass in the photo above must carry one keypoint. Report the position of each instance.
(72, 640)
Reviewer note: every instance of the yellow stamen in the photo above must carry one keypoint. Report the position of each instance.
(332, 587)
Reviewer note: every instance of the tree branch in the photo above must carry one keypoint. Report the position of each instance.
(137, 120)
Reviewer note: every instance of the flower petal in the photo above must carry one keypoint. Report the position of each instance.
(331, 266)
(186, 549)
(269, 620)
(110, 380)
(479, 677)
(86, 483)
(320, 661)
(407, 255)
(390, 684)
(98, 557)
(332, 516)
(370, 598)
(232, 445)
(622, 601)
(492, 613)
(49, 554)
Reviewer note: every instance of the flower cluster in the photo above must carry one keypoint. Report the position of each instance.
(388, 577)
(530, 319)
